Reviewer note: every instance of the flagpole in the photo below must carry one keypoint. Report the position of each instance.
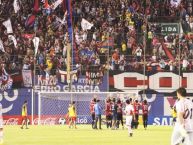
(33, 86)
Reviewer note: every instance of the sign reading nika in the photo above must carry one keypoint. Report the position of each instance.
(170, 28)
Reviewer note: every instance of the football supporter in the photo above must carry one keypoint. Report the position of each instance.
(145, 113)
(24, 115)
(183, 129)
(129, 111)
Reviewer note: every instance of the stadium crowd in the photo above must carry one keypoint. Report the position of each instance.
(120, 32)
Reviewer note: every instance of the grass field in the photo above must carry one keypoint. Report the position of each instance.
(84, 135)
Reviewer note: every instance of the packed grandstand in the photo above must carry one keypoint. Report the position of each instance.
(118, 35)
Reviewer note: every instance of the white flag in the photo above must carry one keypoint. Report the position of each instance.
(56, 4)
(62, 21)
(11, 37)
(86, 25)
(175, 3)
(8, 26)
(16, 6)
(1, 46)
(36, 41)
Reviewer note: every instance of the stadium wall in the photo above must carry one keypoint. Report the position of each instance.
(159, 109)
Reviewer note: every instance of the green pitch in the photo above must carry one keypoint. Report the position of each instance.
(84, 135)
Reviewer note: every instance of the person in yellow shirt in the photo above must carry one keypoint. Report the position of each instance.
(72, 115)
(24, 115)
(174, 114)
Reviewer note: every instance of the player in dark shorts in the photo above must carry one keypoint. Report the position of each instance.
(114, 113)
(136, 106)
(92, 103)
(119, 113)
(108, 113)
(145, 113)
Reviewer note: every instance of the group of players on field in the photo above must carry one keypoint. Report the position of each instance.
(114, 111)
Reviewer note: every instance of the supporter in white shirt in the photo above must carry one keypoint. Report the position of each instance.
(185, 64)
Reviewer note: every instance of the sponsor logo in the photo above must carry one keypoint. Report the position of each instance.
(11, 121)
(7, 96)
(162, 121)
(51, 84)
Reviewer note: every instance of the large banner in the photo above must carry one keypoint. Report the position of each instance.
(160, 82)
(80, 84)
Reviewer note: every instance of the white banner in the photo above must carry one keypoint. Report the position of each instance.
(63, 76)
(56, 4)
(5, 80)
(1, 46)
(16, 6)
(85, 24)
(27, 78)
(8, 26)
(36, 41)
(11, 37)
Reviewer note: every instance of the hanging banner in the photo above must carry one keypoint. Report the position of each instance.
(27, 78)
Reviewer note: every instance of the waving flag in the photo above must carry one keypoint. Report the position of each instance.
(5, 80)
(8, 26)
(11, 37)
(56, 4)
(30, 21)
(62, 21)
(85, 24)
(1, 46)
(36, 41)
(16, 6)
(69, 18)
(36, 6)
(27, 36)
(175, 3)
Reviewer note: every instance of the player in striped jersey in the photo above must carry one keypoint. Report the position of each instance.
(183, 129)
(145, 113)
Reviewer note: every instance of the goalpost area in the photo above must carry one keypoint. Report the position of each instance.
(53, 107)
